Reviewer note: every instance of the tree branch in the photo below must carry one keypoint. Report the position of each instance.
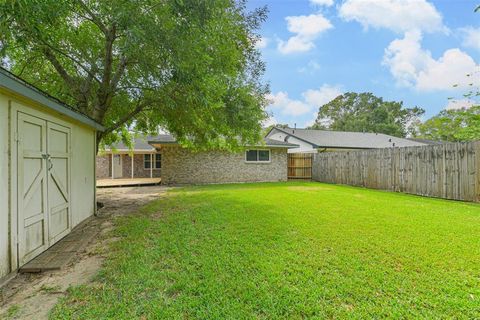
(58, 66)
(105, 92)
(93, 17)
(76, 61)
(119, 73)
(138, 108)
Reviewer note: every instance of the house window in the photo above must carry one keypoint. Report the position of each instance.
(257, 156)
(157, 161)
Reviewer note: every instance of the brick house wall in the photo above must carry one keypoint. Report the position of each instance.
(138, 168)
(104, 167)
(182, 166)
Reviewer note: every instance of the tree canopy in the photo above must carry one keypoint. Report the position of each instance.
(188, 66)
(364, 112)
(453, 125)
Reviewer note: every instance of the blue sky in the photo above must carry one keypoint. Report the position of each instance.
(405, 50)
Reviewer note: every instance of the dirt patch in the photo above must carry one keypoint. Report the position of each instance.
(118, 201)
(32, 296)
(302, 188)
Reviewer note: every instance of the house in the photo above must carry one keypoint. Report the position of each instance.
(141, 161)
(266, 161)
(47, 171)
(311, 141)
(162, 156)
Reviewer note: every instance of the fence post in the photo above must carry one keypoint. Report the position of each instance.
(476, 145)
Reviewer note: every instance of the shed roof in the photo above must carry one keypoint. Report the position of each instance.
(348, 140)
(14, 84)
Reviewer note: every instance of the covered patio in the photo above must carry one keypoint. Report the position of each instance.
(122, 162)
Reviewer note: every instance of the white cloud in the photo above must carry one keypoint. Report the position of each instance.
(311, 122)
(311, 67)
(280, 101)
(325, 94)
(326, 3)
(413, 66)
(307, 29)
(270, 121)
(471, 37)
(312, 100)
(405, 57)
(459, 104)
(449, 70)
(262, 43)
(396, 15)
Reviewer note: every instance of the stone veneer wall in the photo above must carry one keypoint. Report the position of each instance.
(182, 166)
(104, 167)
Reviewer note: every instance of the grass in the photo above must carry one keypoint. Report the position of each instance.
(13, 311)
(288, 251)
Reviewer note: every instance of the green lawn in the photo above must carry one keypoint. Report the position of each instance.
(288, 251)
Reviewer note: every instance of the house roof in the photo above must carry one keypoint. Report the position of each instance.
(141, 144)
(168, 139)
(16, 85)
(348, 140)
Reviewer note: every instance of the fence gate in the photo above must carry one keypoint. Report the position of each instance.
(300, 165)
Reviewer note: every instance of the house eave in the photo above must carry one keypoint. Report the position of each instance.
(296, 137)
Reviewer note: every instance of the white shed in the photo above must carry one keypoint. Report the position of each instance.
(47, 171)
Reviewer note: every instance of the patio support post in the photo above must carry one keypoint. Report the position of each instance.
(151, 165)
(112, 167)
(131, 158)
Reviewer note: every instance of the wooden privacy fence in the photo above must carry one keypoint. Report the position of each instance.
(300, 165)
(450, 171)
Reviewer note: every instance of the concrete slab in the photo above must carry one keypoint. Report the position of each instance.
(61, 253)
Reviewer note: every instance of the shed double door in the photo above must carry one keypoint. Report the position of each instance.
(43, 164)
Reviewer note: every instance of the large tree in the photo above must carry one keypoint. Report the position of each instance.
(453, 125)
(188, 66)
(364, 112)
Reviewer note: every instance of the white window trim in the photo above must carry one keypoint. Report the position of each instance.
(153, 155)
(258, 161)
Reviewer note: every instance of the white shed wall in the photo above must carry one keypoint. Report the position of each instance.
(83, 173)
(82, 192)
(4, 190)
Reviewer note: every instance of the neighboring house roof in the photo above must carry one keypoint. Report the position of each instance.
(347, 140)
(168, 139)
(14, 84)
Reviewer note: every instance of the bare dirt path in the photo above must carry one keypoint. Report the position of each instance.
(32, 296)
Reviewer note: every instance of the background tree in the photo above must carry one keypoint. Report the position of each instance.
(188, 66)
(364, 112)
(278, 125)
(453, 125)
